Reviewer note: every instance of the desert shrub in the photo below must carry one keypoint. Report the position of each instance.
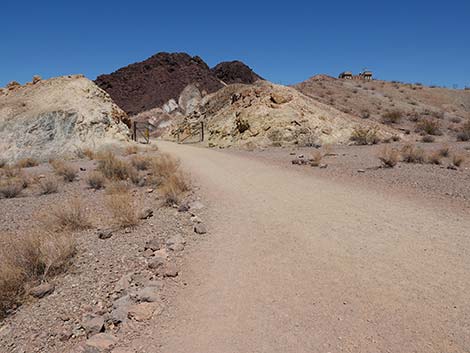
(88, 153)
(412, 154)
(458, 159)
(456, 120)
(11, 188)
(365, 136)
(389, 157)
(464, 133)
(427, 139)
(365, 114)
(114, 168)
(316, 158)
(122, 208)
(96, 180)
(392, 117)
(434, 158)
(131, 150)
(444, 151)
(30, 258)
(27, 163)
(48, 185)
(140, 162)
(429, 127)
(118, 188)
(66, 171)
(70, 216)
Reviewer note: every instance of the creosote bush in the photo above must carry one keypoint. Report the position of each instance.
(429, 127)
(30, 258)
(389, 157)
(365, 136)
(392, 117)
(434, 158)
(141, 162)
(457, 159)
(11, 188)
(428, 139)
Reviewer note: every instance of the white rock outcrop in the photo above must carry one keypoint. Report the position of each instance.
(58, 116)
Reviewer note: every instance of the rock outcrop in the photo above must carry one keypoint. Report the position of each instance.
(265, 114)
(58, 116)
(235, 72)
(152, 83)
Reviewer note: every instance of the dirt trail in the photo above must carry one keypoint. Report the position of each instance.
(299, 264)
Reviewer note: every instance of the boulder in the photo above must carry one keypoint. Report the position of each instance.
(42, 290)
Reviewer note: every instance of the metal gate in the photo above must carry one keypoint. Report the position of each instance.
(141, 130)
(193, 133)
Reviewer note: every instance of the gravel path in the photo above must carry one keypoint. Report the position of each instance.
(296, 263)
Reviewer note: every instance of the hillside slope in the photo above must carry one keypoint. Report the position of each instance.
(410, 104)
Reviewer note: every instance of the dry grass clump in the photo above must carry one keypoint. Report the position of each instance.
(444, 151)
(316, 158)
(389, 157)
(89, 153)
(428, 139)
(392, 117)
(428, 127)
(11, 188)
(464, 133)
(48, 186)
(96, 180)
(118, 188)
(66, 171)
(27, 163)
(29, 259)
(141, 162)
(122, 208)
(434, 158)
(364, 136)
(412, 154)
(70, 216)
(458, 159)
(114, 168)
(131, 150)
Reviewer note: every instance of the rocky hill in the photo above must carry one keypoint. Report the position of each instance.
(412, 108)
(265, 114)
(151, 83)
(235, 72)
(46, 118)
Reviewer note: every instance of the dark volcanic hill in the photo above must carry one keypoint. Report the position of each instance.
(235, 72)
(151, 83)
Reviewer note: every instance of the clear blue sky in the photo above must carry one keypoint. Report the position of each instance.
(285, 42)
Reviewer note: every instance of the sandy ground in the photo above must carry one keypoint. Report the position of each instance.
(300, 263)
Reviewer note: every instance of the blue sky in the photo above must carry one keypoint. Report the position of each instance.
(285, 42)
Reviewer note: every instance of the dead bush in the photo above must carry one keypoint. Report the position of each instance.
(412, 154)
(48, 185)
(171, 191)
(428, 139)
(66, 171)
(434, 158)
(96, 180)
(114, 168)
(118, 188)
(70, 215)
(11, 188)
(28, 259)
(140, 162)
(131, 150)
(122, 208)
(392, 117)
(316, 158)
(457, 159)
(89, 153)
(464, 132)
(389, 157)
(444, 151)
(27, 163)
(428, 127)
(365, 136)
